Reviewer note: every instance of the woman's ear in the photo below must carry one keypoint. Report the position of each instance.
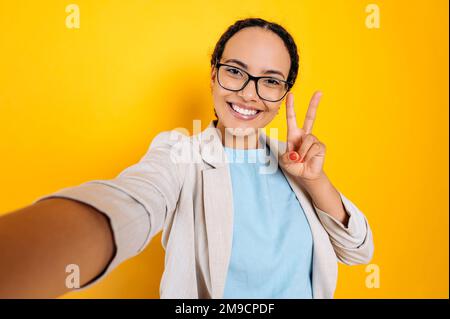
(213, 77)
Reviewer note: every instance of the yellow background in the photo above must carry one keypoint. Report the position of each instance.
(84, 104)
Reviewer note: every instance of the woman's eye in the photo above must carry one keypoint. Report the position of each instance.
(233, 71)
(273, 82)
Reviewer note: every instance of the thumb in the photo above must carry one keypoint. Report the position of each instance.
(290, 157)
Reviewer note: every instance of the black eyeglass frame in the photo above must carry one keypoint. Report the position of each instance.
(252, 78)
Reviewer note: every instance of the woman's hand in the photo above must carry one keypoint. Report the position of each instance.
(305, 154)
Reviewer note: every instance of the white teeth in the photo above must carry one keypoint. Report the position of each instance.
(243, 111)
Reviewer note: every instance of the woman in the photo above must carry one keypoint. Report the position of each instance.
(233, 226)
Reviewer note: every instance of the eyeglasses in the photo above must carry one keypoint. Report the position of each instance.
(235, 79)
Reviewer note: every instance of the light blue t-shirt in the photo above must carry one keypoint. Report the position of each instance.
(272, 245)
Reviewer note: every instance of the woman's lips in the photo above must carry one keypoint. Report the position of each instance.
(242, 116)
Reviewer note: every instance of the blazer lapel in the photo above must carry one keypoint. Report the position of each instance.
(218, 204)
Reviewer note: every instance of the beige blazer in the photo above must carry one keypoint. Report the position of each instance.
(191, 202)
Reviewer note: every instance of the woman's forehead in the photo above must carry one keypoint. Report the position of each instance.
(259, 49)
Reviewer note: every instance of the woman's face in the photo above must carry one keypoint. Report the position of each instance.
(260, 52)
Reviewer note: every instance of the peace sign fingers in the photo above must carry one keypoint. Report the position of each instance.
(304, 156)
(293, 132)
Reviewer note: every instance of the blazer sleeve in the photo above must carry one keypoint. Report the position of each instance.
(136, 202)
(352, 244)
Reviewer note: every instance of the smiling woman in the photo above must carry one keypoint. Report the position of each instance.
(229, 231)
(257, 47)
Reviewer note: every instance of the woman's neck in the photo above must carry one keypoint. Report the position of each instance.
(244, 139)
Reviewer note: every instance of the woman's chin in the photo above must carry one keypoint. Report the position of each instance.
(238, 129)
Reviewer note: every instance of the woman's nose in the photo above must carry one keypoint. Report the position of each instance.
(248, 92)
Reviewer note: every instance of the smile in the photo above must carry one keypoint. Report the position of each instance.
(242, 113)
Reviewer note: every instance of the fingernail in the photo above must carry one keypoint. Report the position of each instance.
(293, 156)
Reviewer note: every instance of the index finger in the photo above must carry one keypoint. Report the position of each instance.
(311, 112)
(290, 112)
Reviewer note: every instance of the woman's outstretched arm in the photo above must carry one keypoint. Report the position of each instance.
(96, 225)
(37, 243)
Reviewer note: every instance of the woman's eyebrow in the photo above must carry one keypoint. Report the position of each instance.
(244, 66)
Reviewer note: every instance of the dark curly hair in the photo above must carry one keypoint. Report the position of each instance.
(258, 22)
